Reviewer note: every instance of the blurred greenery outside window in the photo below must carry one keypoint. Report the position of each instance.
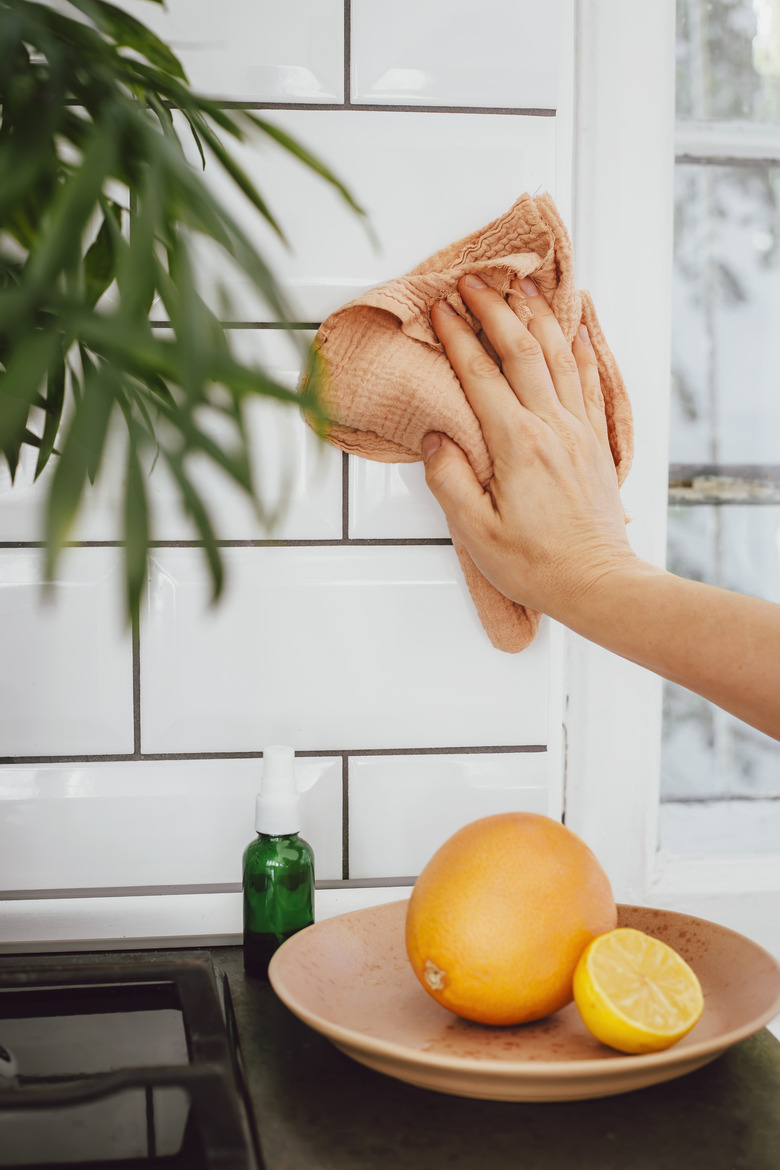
(720, 779)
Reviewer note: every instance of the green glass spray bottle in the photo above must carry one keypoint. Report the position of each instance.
(278, 865)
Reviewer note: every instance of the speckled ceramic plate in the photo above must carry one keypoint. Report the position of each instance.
(349, 978)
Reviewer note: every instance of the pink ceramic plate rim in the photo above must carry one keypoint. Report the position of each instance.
(543, 1069)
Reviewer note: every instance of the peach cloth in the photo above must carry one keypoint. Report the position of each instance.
(388, 381)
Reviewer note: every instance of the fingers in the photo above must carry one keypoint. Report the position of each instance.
(522, 357)
(558, 357)
(539, 371)
(593, 398)
(451, 478)
(489, 394)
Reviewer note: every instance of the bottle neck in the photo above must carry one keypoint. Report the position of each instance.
(276, 836)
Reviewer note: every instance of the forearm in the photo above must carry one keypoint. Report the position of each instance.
(723, 645)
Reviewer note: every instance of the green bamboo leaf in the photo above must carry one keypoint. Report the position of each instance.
(196, 139)
(55, 397)
(20, 383)
(195, 508)
(79, 459)
(136, 269)
(60, 238)
(239, 176)
(100, 260)
(136, 526)
(127, 31)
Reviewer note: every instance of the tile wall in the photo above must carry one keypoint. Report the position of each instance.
(130, 762)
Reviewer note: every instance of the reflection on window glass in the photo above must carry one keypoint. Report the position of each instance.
(728, 59)
(726, 311)
(707, 753)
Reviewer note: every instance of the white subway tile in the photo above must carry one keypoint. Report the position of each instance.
(392, 501)
(329, 648)
(254, 50)
(402, 808)
(424, 179)
(67, 685)
(504, 54)
(150, 823)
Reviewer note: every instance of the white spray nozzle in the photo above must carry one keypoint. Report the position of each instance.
(277, 810)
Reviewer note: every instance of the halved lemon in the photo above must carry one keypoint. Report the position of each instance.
(635, 993)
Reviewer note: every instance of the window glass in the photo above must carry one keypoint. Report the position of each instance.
(708, 754)
(728, 59)
(725, 404)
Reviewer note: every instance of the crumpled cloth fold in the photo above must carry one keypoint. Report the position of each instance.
(387, 380)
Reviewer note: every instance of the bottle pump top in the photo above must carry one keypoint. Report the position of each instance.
(277, 810)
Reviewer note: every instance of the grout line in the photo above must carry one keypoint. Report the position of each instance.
(719, 798)
(345, 496)
(136, 652)
(360, 542)
(310, 753)
(387, 108)
(345, 816)
(347, 53)
(196, 888)
(286, 325)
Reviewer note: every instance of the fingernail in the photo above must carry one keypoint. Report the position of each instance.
(473, 281)
(445, 307)
(430, 443)
(583, 334)
(528, 287)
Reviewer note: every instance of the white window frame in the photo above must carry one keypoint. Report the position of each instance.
(623, 239)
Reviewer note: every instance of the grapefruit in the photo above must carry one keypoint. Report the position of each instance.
(500, 915)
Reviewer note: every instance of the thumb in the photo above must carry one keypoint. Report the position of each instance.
(450, 476)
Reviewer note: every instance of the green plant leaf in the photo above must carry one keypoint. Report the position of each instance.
(136, 526)
(127, 31)
(79, 459)
(55, 397)
(236, 173)
(101, 258)
(196, 509)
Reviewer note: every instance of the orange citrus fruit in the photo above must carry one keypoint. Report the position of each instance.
(635, 992)
(500, 915)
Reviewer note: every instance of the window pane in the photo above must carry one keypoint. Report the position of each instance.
(728, 59)
(707, 753)
(726, 313)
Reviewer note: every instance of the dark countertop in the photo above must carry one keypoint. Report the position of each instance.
(316, 1109)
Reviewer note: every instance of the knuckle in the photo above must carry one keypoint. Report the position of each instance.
(562, 362)
(480, 365)
(592, 392)
(523, 347)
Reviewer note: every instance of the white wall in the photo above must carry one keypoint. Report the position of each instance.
(129, 768)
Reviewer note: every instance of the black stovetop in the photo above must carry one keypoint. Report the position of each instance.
(121, 1061)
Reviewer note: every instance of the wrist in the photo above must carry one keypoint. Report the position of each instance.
(603, 593)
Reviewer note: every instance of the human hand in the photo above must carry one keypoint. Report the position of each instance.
(549, 526)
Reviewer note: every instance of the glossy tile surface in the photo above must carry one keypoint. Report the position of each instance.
(402, 808)
(151, 823)
(423, 179)
(254, 50)
(393, 501)
(329, 648)
(496, 55)
(67, 684)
